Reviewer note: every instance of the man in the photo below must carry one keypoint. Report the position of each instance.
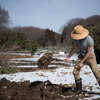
(83, 42)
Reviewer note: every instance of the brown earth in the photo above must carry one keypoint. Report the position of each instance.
(37, 90)
(12, 56)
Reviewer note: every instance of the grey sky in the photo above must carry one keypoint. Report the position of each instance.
(52, 14)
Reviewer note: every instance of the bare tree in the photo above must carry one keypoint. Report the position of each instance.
(4, 17)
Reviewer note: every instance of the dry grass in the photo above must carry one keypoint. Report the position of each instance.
(5, 61)
(6, 66)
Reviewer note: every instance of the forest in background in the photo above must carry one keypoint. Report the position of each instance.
(30, 38)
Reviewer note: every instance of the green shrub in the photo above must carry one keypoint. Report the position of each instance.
(13, 40)
(8, 70)
(5, 60)
(95, 33)
(34, 48)
(21, 40)
(5, 63)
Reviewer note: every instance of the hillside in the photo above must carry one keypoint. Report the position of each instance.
(43, 37)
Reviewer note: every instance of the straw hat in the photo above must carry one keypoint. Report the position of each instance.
(79, 32)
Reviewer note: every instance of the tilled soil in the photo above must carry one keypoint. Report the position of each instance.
(37, 90)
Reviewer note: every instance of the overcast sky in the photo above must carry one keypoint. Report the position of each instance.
(52, 14)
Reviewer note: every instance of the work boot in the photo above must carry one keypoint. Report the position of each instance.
(79, 85)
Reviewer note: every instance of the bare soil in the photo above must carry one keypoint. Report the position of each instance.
(12, 56)
(37, 90)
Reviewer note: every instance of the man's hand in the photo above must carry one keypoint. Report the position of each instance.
(71, 52)
(81, 65)
(65, 60)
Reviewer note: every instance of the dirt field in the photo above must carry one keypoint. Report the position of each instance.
(39, 90)
(36, 91)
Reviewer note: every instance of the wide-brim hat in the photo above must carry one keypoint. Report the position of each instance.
(79, 32)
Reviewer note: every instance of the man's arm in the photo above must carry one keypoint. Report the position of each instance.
(73, 50)
(86, 56)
